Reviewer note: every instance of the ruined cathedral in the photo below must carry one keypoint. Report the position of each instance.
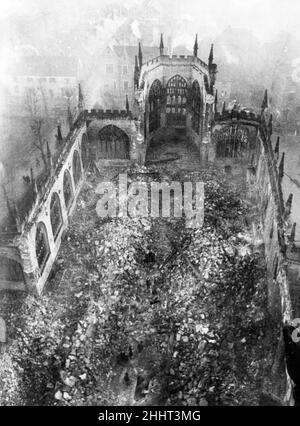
(175, 99)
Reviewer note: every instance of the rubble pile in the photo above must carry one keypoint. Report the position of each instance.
(146, 311)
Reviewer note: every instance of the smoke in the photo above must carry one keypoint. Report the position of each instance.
(135, 29)
(231, 59)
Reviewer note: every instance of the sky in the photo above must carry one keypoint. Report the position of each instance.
(264, 18)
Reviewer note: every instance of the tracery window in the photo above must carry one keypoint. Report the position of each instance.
(67, 189)
(176, 101)
(232, 141)
(42, 245)
(113, 143)
(155, 102)
(55, 215)
(76, 168)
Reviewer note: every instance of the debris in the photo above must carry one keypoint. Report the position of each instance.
(58, 395)
(203, 402)
(102, 320)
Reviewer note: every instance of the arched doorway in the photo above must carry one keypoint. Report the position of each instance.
(176, 101)
(113, 143)
(196, 107)
(55, 215)
(42, 245)
(155, 101)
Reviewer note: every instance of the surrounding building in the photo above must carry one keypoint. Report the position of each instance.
(224, 93)
(51, 82)
(115, 75)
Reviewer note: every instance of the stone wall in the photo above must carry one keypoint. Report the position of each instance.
(24, 241)
(283, 262)
(40, 213)
(264, 186)
(261, 170)
(126, 123)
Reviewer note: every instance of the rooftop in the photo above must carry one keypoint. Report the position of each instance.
(149, 52)
(56, 66)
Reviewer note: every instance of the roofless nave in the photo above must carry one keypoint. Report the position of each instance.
(175, 100)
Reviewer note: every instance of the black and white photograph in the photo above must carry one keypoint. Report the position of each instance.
(149, 206)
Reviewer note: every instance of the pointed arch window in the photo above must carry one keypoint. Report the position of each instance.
(155, 103)
(55, 215)
(42, 245)
(113, 143)
(76, 168)
(68, 189)
(232, 141)
(176, 101)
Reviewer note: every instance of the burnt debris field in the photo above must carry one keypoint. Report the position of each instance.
(145, 311)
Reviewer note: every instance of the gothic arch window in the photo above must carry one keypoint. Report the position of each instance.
(84, 151)
(113, 143)
(76, 168)
(196, 107)
(232, 141)
(55, 215)
(42, 245)
(68, 189)
(155, 102)
(176, 101)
